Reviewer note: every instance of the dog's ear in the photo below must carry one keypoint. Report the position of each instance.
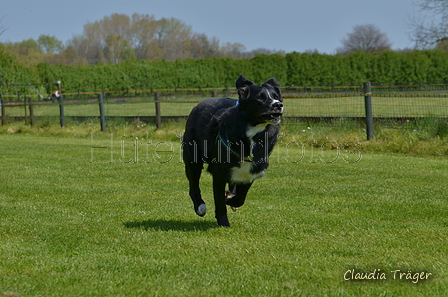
(243, 84)
(273, 83)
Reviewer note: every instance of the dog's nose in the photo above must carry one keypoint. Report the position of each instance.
(278, 105)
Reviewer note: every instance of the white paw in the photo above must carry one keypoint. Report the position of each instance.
(202, 209)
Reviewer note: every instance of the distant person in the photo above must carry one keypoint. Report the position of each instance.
(55, 96)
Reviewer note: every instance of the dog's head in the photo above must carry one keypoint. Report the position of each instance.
(260, 104)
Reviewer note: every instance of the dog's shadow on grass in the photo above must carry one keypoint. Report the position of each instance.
(171, 225)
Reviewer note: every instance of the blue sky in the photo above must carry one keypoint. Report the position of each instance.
(289, 25)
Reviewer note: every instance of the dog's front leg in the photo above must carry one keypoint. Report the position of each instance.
(219, 187)
(193, 171)
(237, 195)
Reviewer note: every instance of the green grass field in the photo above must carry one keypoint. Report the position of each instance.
(81, 217)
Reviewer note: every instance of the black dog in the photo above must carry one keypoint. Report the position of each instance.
(235, 137)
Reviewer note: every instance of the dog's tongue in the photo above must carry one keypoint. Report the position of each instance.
(273, 118)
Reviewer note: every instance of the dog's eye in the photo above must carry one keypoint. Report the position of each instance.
(277, 97)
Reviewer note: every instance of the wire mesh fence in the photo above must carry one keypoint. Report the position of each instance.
(390, 102)
(324, 101)
(411, 100)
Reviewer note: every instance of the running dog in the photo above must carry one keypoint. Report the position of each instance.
(235, 138)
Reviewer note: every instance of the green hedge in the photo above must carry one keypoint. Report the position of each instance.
(291, 69)
(15, 73)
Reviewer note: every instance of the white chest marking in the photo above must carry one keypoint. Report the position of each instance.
(252, 130)
(242, 174)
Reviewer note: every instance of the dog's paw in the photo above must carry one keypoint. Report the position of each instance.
(229, 195)
(201, 210)
(223, 221)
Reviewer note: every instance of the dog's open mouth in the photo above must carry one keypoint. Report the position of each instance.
(274, 117)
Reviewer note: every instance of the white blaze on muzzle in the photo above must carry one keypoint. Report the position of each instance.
(275, 101)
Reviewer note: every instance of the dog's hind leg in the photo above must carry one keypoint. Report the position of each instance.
(219, 187)
(193, 171)
(236, 196)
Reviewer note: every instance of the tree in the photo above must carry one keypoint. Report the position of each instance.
(433, 33)
(263, 51)
(141, 36)
(49, 44)
(25, 47)
(174, 38)
(117, 49)
(2, 29)
(119, 37)
(366, 38)
(144, 28)
(101, 41)
(28, 52)
(233, 50)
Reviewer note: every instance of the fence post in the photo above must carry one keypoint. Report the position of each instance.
(368, 106)
(31, 111)
(102, 116)
(61, 104)
(214, 94)
(158, 115)
(3, 107)
(61, 111)
(19, 98)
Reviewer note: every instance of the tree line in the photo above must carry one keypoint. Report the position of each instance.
(141, 37)
(119, 37)
(122, 38)
(292, 69)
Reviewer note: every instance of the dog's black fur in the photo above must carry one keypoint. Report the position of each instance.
(235, 137)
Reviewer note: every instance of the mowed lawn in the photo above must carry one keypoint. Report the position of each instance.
(100, 216)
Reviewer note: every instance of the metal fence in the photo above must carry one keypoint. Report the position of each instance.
(392, 103)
